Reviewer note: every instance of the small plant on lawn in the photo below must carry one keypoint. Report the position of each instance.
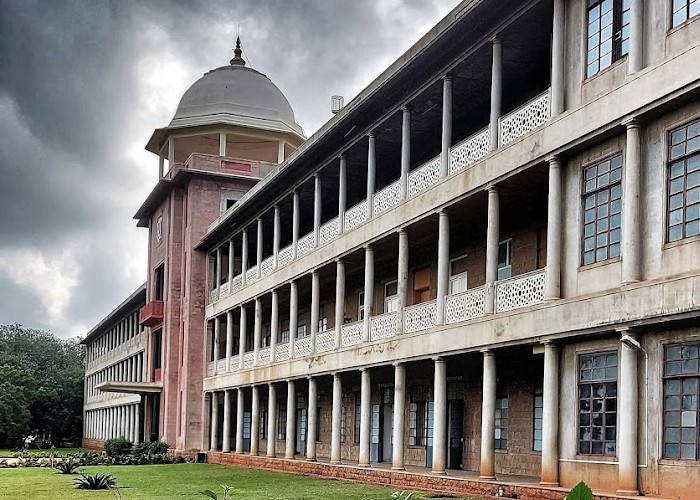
(228, 492)
(67, 466)
(580, 492)
(117, 446)
(94, 482)
(403, 495)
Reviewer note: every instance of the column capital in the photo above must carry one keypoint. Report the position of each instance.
(372, 135)
(497, 40)
(399, 363)
(438, 359)
(487, 351)
(492, 188)
(554, 160)
(626, 330)
(407, 108)
(632, 122)
(447, 78)
(368, 246)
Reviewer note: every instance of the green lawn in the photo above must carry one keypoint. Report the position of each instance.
(59, 452)
(180, 481)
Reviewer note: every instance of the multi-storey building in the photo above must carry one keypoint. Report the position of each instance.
(488, 261)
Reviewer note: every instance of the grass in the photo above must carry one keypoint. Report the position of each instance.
(180, 481)
(59, 452)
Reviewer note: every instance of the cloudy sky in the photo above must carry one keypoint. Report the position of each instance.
(84, 83)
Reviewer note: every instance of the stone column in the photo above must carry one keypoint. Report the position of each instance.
(214, 444)
(244, 255)
(137, 427)
(161, 166)
(222, 143)
(229, 339)
(636, 55)
(339, 300)
(240, 402)
(397, 455)
(291, 419)
(231, 261)
(488, 418)
(557, 77)
(271, 416)
(280, 151)
(402, 280)
(631, 208)
(276, 235)
(550, 416)
(259, 247)
(315, 307)
(443, 264)
(342, 193)
(317, 206)
(446, 126)
(365, 417)
(496, 88)
(171, 152)
(552, 285)
(405, 149)
(628, 403)
(226, 446)
(274, 323)
(257, 332)
(218, 268)
(440, 417)
(336, 419)
(217, 328)
(293, 316)
(295, 223)
(371, 173)
(311, 422)
(369, 289)
(242, 327)
(255, 422)
(492, 232)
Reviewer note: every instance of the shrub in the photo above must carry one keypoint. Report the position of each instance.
(228, 491)
(149, 449)
(580, 492)
(67, 466)
(117, 446)
(95, 482)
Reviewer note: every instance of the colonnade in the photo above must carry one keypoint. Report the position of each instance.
(114, 421)
(120, 333)
(130, 369)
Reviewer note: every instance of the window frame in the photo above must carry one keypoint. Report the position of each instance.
(617, 28)
(499, 428)
(538, 393)
(681, 159)
(455, 278)
(688, 16)
(681, 377)
(508, 242)
(391, 299)
(590, 382)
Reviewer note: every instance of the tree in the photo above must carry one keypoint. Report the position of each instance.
(45, 377)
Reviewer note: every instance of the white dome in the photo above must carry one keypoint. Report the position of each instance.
(236, 95)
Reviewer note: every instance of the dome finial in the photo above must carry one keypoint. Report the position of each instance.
(237, 59)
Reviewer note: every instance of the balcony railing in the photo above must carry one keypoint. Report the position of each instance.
(210, 369)
(351, 334)
(285, 256)
(302, 347)
(355, 216)
(224, 290)
(251, 275)
(221, 366)
(267, 266)
(282, 352)
(524, 119)
(264, 355)
(248, 360)
(235, 364)
(306, 244)
(465, 305)
(424, 176)
(383, 326)
(214, 295)
(520, 291)
(329, 231)
(236, 283)
(325, 341)
(388, 197)
(151, 313)
(470, 150)
(420, 317)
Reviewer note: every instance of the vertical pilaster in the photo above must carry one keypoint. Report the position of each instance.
(402, 279)
(274, 323)
(443, 264)
(171, 152)
(161, 166)
(550, 416)
(339, 300)
(488, 416)
(255, 422)
(315, 307)
(291, 419)
(631, 206)
(365, 417)
(557, 77)
(240, 407)
(492, 235)
(397, 451)
(342, 192)
(214, 444)
(218, 268)
(369, 289)
(271, 416)
(226, 446)
(311, 422)
(636, 55)
(440, 417)
(552, 286)
(405, 149)
(628, 403)
(280, 151)
(496, 91)
(229, 339)
(242, 332)
(446, 126)
(231, 260)
(222, 143)
(295, 222)
(371, 174)
(217, 328)
(257, 335)
(336, 419)
(293, 316)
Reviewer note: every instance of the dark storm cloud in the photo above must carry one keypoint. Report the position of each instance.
(78, 101)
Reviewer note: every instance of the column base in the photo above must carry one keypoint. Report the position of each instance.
(287, 457)
(549, 484)
(226, 451)
(271, 456)
(310, 459)
(364, 465)
(487, 478)
(398, 468)
(335, 462)
(628, 493)
(439, 472)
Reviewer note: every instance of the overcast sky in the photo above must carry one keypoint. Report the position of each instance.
(83, 84)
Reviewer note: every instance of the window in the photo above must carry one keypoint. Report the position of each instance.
(681, 381)
(343, 416)
(360, 306)
(267, 336)
(284, 331)
(356, 423)
(391, 297)
(159, 282)
(684, 182)
(301, 326)
(501, 427)
(597, 404)
(421, 285)
(541, 247)
(684, 10)
(417, 410)
(458, 275)
(282, 420)
(318, 423)
(323, 320)
(608, 33)
(504, 253)
(537, 419)
(602, 207)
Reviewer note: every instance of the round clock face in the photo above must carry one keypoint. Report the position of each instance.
(159, 229)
